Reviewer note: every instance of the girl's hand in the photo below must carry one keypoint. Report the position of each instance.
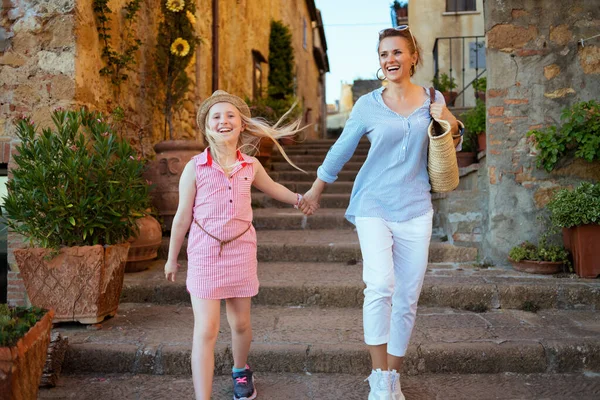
(171, 270)
(310, 201)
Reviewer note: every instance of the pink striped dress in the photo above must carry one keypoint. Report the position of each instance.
(222, 208)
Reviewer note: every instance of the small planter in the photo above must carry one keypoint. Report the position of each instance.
(466, 158)
(80, 283)
(450, 98)
(481, 141)
(21, 366)
(537, 267)
(265, 151)
(144, 247)
(584, 244)
(480, 95)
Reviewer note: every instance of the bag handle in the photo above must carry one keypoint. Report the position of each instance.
(431, 95)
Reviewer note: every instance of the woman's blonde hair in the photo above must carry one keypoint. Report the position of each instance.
(256, 129)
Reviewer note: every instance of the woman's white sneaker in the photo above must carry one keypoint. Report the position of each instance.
(395, 386)
(380, 384)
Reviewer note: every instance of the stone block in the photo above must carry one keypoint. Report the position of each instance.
(517, 295)
(551, 71)
(99, 357)
(54, 63)
(570, 355)
(561, 34)
(589, 59)
(507, 37)
(559, 93)
(12, 59)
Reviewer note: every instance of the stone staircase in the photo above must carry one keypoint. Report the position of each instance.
(307, 317)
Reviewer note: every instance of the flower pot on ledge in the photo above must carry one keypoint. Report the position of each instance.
(537, 267)
(583, 242)
(145, 245)
(21, 366)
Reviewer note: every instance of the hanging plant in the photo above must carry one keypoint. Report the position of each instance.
(175, 47)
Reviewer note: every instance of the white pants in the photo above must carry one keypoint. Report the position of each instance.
(395, 258)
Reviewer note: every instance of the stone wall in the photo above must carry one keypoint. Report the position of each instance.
(535, 68)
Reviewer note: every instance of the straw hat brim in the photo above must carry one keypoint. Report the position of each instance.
(220, 96)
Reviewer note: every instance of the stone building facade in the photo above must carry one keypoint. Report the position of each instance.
(50, 57)
(536, 67)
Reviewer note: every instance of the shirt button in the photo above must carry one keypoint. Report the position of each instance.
(404, 147)
(231, 201)
(229, 187)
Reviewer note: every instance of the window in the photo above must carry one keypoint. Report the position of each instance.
(460, 5)
(257, 74)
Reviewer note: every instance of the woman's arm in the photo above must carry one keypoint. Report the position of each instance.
(182, 219)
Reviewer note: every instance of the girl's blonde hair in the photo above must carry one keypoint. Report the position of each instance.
(256, 129)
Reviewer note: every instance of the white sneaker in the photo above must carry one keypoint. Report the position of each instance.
(395, 386)
(380, 385)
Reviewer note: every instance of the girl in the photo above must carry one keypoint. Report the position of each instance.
(214, 204)
(390, 202)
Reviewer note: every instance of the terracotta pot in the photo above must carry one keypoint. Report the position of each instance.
(21, 366)
(481, 141)
(164, 172)
(450, 98)
(583, 243)
(265, 151)
(537, 267)
(480, 95)
(80, 283)
(144, 246)
(465, 158)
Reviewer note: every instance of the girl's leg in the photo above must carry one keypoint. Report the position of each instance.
(238, 316)
(378, 274)
(206, 329)
(411, 253)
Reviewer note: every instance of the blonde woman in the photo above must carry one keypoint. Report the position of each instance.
(390, 202)
(214, 204)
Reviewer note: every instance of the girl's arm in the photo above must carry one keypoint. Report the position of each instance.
(182, 219)
(264, 183)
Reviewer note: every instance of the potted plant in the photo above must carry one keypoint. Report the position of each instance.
(577, 213)
(479, 87)
(76, 193)
(475, 122)
(542, 259)
(445, 84)
(468, 154)
(24, 340)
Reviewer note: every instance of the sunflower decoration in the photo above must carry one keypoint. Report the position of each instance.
(175, 5)
(191, 17)
(180, 47)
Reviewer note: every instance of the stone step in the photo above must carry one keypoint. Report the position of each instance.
(459, 286)
(285, 219)
(328, 200)
(309, 386)
(298, 151)
(156, 339)
(313, 158)
(299, 176)
(310, 166)
(326, 245)
(303, 187)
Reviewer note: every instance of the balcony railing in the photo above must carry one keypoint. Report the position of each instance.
(470, 50)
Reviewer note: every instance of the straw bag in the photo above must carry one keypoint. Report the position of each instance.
(441, 162)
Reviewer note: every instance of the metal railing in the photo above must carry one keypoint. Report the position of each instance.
(475, 54)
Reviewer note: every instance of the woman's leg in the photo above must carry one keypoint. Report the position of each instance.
(411, 253)
(238, 316)
(378, 274)
(206, 329)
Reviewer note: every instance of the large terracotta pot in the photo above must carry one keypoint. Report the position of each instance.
(144, 246)
(80, 283)
(537, 267)
(265, 151)
(164, 172)
(465, 158)
(481, 141)
(450, 98)
(21, 366)
(584, 244)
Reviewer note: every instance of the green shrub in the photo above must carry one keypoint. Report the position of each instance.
(580, 206)
(580, 134)
(480, 85)
(544, 252)
(444, 83)
(475, 118)
(15, 322)
(76, 184)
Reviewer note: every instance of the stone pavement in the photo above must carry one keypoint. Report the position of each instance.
(303, 386)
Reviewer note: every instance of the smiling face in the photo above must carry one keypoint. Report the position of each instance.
(225, 119)
(395, 58)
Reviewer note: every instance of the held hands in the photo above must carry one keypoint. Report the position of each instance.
(310, 202)
(171, 270)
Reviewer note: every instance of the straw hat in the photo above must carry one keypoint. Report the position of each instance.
(219, 96)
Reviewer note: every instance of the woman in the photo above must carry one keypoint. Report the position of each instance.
(390, 202)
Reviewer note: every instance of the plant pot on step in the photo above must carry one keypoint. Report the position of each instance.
(583, 242)
(21, 365)
(481, 141)
(164, 172)
(450, 97)
(145, 245)
(80, 283)
(466, 158)
(537, 267)
(265, 151)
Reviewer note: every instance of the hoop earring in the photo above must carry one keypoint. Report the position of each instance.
(412, 69)
(377, 75)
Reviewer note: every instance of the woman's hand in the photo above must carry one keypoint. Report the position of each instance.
(170, 270)
(310, 201)
(439, 111)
